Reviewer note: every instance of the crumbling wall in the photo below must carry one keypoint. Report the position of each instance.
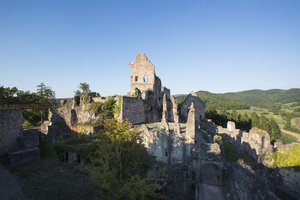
(166, 141)
(172, 110)
(208, 125)
(170, 142)
(142, 75)
(76, 110)
(256, 143)
(10, 129)
(199, 108)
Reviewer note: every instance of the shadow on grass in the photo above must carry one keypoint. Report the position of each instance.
(232, 155)
(48, 178)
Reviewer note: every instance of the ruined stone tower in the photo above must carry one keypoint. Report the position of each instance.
(142, 75)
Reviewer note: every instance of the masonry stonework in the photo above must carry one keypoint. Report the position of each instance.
(198, 105)
(147, 90)
(10, 129)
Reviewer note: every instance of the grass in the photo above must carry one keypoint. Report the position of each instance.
(49, 179)
(231, 154)
(287, 139)
(286, 158)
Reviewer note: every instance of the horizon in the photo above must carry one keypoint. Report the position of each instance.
(218, 46)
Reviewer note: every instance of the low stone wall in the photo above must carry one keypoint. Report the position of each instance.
(10, 129)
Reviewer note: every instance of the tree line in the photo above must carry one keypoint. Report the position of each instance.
(32, 117)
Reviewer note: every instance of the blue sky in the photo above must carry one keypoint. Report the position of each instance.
(218, 46)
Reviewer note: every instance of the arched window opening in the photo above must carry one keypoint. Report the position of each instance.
(136, 79)
(145, 79)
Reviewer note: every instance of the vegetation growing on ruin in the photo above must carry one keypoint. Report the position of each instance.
(85, 99)
(286, 158)
(84, 88)
(149, 91)
(137, 92)
(118, 106)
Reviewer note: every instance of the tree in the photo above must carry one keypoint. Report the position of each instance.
(254, 120)
(84, 87)
(46, 94)
(274, 130)
(7, 95)
(118, 162)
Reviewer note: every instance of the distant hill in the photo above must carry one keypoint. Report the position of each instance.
(216, 100)
(265, 98)
(245, 99)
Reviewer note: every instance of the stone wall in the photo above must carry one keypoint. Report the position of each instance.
(256, 143)
(142, 74)
(170, 142)
(133, 110)
(291, 178)
(166, 141)
(145, 82)
(208, 125)
(244, 183)
(10, 129)
(199, 108)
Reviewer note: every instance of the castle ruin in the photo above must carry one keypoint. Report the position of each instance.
(149, 101)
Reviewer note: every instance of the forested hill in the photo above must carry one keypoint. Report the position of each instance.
(216, 100)
(245, 99)
(265, 98)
